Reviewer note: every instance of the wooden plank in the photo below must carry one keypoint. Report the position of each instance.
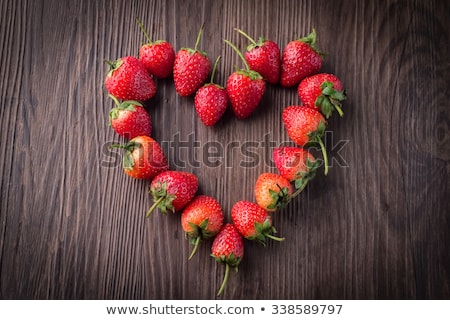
(72, 224)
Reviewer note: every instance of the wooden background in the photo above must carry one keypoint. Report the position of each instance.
(72, 224)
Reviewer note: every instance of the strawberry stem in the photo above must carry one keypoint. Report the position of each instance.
(325, 156)
(299, 190)
(247, 36)
(247, 68)
(339, 110)
(141, 26)
(213, 73)
(225, 279)
(116, 101)
(110, 63)
(199, 36)
(155, 204)
(196, 243)
(274, 237)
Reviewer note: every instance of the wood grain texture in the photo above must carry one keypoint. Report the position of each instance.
(72, 224)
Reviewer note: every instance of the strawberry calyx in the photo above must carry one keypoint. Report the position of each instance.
(113, 65)
(263, 231)
(130, 146)
(303, 177)
(253, 75)
(253, 44)
(198, 233)
(311, 40)
(230, 261)
(280, 198)
(330, 99)
(120, 106)
(261, 41)
(161, 199)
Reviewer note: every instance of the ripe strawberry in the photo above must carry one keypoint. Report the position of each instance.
(305, 125)
(272, 191)
(143, 158)
(157, 56)
(172, 190)
(245, 88)
(190, 69)
(300, 59)
(211, 100)
(295, 164)
(228, 249)
(253, 222)
(129, 119)
(128, 79)
(201, 219)
(323, 91)
(263, 57)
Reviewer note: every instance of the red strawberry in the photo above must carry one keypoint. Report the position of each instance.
(228, 249)
(245, 89)
(172, 191)
(201, 219)
(253, 222)
(300, 59)
(272, 191)
(128, 79)
(143, 158)
(263, 57)
(295, 164)
(190, 69)
(130, 119)
(211, 100)
(157, 56)
(305, 125)
(323, 91)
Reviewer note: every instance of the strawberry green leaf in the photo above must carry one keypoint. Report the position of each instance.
(162, 198)
(303, 177)
(330, 99)
(128, 161)
(280, 198)
(263, 231)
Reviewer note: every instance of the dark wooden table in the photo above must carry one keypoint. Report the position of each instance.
(72, 224)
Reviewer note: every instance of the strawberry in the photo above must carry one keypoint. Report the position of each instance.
(190, 69)
(143, 158)
(172, 190)
(295, 164)
(157, 56)
(300, 59)
(211, 100)
(245, 88)
(128, 79)
(272, 191)
(263, 57)
(306, 125)
(253, 222)
(228, 248)
(201, 219)
(323, 91)
(129, 119)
